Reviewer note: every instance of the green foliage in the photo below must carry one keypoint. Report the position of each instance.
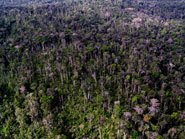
(134, 135)
(175, 115)
(79, 70)
(134, 99)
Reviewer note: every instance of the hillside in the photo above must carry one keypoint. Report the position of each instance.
(90, 69)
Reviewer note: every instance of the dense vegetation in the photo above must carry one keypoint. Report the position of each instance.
(93, 69)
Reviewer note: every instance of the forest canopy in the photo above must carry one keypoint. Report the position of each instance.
(90, 69)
